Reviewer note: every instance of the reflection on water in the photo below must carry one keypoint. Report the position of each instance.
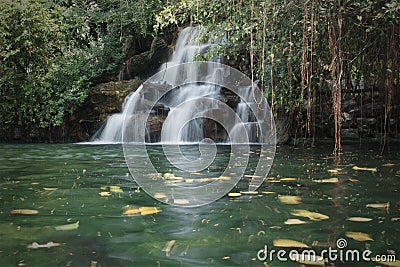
(63, 183)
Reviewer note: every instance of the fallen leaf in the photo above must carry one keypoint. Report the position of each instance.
(128, 210)
(359, 219)
(359, 236)
(290, 179)
(291, 200)
(287, 243)
(356, 168)
(378, 205)
(148, 210)
(307, 259)
(249, 192)
(389, 165)
(160, 195)
(314, 216)
(353, 180)
(233, 194)
(105, 194)
(333, 171)
(136, 211)
(168, 247)
(24, 212)
(329, 180)
(115, 189)
(268, 192)
(50, 188)
(67, 227)
(294, 222)
(50, 244)
(181, 201)
(395, 219)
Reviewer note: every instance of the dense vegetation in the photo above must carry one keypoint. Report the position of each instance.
(53, 51)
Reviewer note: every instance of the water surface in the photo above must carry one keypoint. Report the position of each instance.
(63, 183)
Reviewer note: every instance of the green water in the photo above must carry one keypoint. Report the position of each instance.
(63, 183)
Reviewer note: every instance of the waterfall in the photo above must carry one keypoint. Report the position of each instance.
(187, 47)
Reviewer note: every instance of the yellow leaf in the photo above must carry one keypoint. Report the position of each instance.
(67, 227)
(329, 180)
(378, 205)
(388, 165)
(353, 180)
(359, 236)
(50, 188)
(287, 243)
(233, 194)
(291, 200)
(294, 222)
(359, 219)
(160, 195)
(181, 201)
(290, 179)
(314, 216)
(356, 168)
(130, 211)
(115, 189)
(105, 194)
(148, 210)
(249, 192)
(24, 212)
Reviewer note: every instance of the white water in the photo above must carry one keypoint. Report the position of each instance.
(182, 128)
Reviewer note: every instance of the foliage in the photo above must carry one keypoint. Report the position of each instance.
(53, 51)
(285, 40)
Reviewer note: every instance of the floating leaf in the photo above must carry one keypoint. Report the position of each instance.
(294, 222)
(289, 179)
(249, 192)
(291, 200)
(307, 259)
(395, 219)
(395, 263)
(181, 201)
(105, 194)
(233, 194)
(353, 180)
(24, 212)
(268, 192)
(359, 219)
(287, 243)
(50, 188)
(334, 171)
(329, 180)
(67, 227)
(356, 168)
(359, 236)
(378, 205)
(168, 247)
(160, 195)
(314, 216)
(115, 189)
(50, 244)
(388, 165)
(130, 211)
(148, 210)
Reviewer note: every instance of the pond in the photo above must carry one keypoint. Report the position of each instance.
(81, 193)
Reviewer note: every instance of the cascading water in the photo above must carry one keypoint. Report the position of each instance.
(186, 49)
